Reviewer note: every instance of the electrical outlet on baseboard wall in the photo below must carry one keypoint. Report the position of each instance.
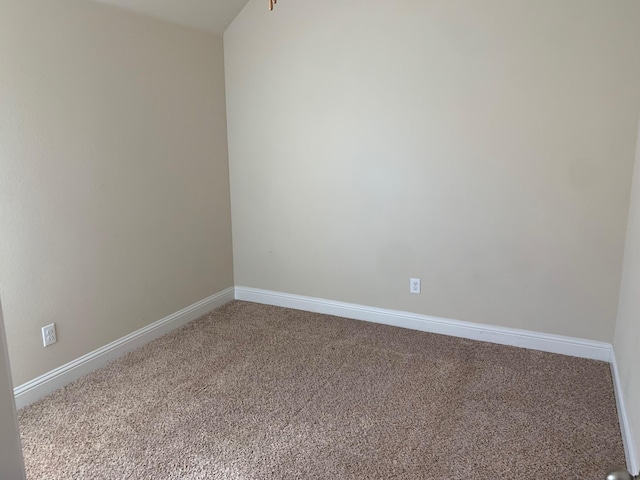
(49, 335)
(414, 285)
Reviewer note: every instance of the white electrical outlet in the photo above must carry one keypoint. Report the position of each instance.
(49, 335)
(414, 285)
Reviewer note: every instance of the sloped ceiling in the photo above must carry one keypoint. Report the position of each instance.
(211, 15)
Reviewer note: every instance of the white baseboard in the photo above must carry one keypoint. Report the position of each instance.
(38, 388)
(625, 427)
(575, 347)
(45, 384)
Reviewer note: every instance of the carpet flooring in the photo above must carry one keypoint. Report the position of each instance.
(257, 392)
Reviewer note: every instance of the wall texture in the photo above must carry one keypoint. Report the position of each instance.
(486, 147)
(11, 466)
(114, 187)
(627, 334)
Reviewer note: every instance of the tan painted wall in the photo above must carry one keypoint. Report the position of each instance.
(486, 147)
(11, 466)
(114, 187)
(627, 335)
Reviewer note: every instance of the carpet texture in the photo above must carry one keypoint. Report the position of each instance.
(257, 392)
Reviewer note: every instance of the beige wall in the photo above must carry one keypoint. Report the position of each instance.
(10, 452)
(486, 147)
(627, 335)
(114, 190)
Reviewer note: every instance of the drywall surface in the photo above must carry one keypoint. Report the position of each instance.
(114, 186)
(11, 465)
(485, 147)
(627, 334)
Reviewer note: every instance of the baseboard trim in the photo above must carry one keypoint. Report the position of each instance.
(40, 387)
(575, 347)
(625, 427)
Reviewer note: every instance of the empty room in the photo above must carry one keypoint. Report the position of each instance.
(305, 239)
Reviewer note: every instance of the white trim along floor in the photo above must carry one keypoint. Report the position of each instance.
(40, 387)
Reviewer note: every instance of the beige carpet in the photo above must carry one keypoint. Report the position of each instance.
(257, 392)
